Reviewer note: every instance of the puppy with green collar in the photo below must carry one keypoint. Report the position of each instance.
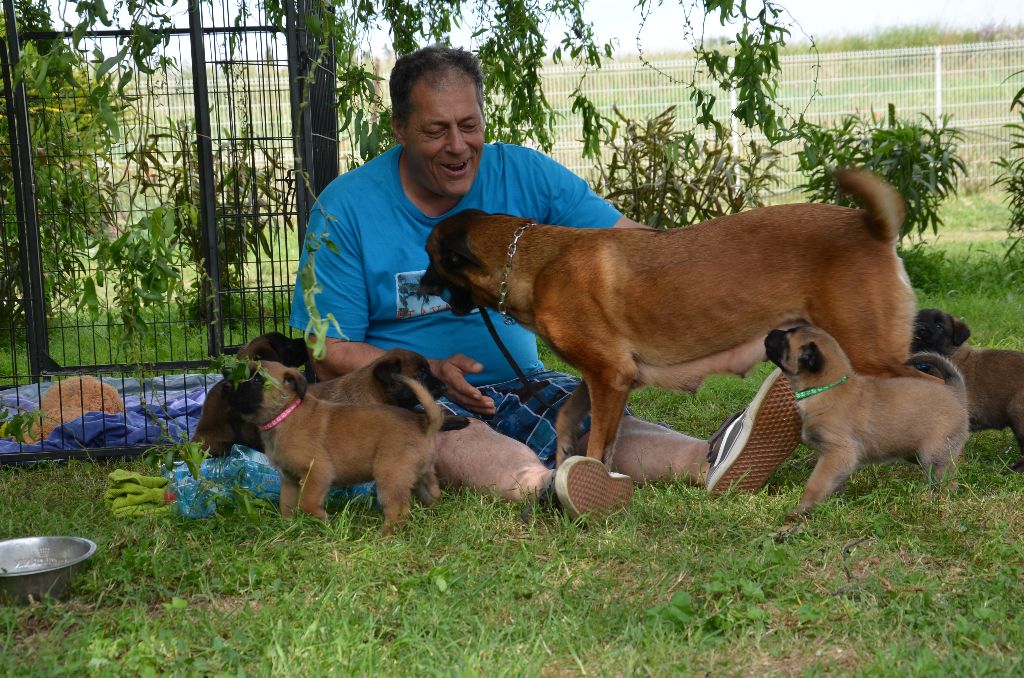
(853, 420)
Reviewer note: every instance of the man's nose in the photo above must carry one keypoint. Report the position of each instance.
(456, 142)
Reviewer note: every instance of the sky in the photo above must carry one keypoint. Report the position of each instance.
(619, 20)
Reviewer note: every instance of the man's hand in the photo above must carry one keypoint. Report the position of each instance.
(452, 371)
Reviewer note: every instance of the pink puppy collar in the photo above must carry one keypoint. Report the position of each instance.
(282, 416)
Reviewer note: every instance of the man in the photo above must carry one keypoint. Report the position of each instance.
(379, 217)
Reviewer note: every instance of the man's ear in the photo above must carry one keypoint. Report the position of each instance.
(811, 358)
(398, 129)
(294, 380)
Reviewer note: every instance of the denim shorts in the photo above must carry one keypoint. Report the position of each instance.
(521, 416)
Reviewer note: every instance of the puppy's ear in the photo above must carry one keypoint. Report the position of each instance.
(293, 353)
(294, 380)
(811, 358)
(961, 332)
(385, 370)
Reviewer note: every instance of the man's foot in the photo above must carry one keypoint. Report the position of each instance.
(582, 485)
(750, 445)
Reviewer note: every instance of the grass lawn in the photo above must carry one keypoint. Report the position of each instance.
(885, 580)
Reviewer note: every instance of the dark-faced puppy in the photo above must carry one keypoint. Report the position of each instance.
(994, 377)
(634, 307)
(376, 383)
(853, 420)
(316, 444)
(220, 427)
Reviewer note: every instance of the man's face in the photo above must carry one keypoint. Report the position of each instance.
(442, 141)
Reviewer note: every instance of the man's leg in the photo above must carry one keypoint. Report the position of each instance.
(481, 458)
(646, 451)
(743, 453)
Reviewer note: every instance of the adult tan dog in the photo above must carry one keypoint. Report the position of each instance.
(315, 443)
(853, 420)
(630, 308)
(995, 377)
(220, 426)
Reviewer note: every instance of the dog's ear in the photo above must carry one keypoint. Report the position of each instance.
(293, 353)
(294, 380)
(811, 358)
(961, 332)
(385, 370)
(455, 253)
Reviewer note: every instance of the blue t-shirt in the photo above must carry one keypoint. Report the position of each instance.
(370, 284)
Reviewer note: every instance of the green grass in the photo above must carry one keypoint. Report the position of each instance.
(887, 579)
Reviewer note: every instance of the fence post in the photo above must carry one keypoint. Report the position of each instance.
(31, 262)
(938, 83)
(207, 198)
(311, 74)
(734, 132)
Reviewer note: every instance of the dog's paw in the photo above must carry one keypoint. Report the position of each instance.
(788, 529)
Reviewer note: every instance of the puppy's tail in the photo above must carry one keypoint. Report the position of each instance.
(434, 417)
(939, 366)
(880, 200)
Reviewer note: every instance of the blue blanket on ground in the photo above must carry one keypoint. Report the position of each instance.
(161, 410)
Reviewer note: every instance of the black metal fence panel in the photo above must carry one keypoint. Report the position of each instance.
(201, 182)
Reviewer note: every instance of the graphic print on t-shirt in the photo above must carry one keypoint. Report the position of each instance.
(409, 302)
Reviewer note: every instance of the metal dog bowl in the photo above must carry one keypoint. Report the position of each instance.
(33, 567)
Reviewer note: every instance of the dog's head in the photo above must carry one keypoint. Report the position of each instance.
(267, 388)
(938, 332)
(410, 364)
(807, 355)
(276, 347)
(451, 261)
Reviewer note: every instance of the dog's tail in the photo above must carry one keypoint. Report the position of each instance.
(939, 366)
(434, 417)
(880, 200)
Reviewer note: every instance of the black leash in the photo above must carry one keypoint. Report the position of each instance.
(512, 361)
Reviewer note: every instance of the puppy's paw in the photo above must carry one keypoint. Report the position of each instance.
(1019, 466)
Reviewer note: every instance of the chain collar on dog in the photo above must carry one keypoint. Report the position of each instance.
(282, 416)
(807, 393)
(503, 287)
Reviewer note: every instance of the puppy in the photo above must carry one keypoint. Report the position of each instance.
(853, 420)
(994, 377)
(315, 443)
(634, 307)
(220, 427)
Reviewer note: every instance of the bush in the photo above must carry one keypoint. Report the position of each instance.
(1012, 178)
(663, 177)
(919, 160)
(74, 185)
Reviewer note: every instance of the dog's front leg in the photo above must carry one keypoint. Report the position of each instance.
(835, 464)
(606, 406)
(289, 494)
(567, 424)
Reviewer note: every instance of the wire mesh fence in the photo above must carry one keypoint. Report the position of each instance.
(195, 185)
(972, 83)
